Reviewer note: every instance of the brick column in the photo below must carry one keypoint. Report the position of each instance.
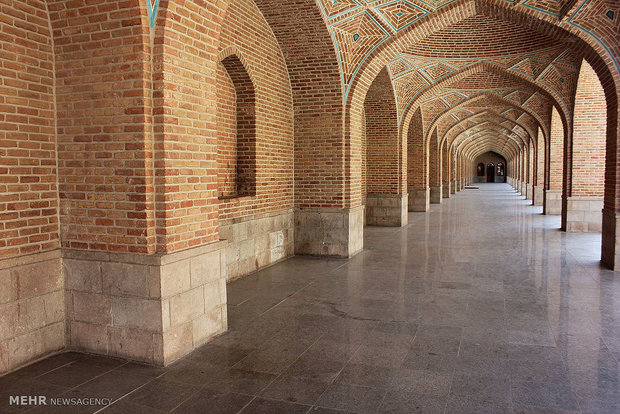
(555, 155)
(539, 177)
(435, 170)
(417, 165)
(582, 208)
(530, 171)
(446, 169)
(152, 285)
(386, 186)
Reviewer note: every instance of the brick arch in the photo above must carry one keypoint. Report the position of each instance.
(535, 116)
(495, 124)
(483, 147)
(312, 63)
(492, 118)
(230, 51)
(481, 67)
(28, 132)
(385, 152)
(488, 143)
(497, 130)
(595, 53)
(237, 154)
(475, 151)
(458, 11)
(185, 49)
(506, 138)
(384, 156)
(103, 116)
(500, 129)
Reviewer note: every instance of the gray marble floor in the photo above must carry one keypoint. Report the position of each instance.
(481, 305)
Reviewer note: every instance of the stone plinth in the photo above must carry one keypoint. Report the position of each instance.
(582, 214)
(529, 189)
(32, 308)
(257, 241)
(610, 248)
(445, 192)
(386, 210)
(436, 194)
(329, 231)
(552, 202)
(419, 199)
(539, 195)
(150, 308)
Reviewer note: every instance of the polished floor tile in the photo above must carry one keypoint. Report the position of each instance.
(480, 305)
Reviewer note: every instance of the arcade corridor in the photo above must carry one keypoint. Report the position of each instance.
(481, 305)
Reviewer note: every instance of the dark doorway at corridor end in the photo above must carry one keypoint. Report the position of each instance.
(490, 168)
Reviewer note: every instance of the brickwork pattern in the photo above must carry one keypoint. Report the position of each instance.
(589, 133)
(28, 189)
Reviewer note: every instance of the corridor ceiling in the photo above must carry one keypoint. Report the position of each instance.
(481, 77)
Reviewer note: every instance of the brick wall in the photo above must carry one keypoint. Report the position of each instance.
(364, 146)
(446, 163)
(227, 135)
(540, 159)
(556, 152)
(28, 190)
(417, 157)
(102, 68)
(246, 33)
(185, 139)
(486, 159)
(384, 161)
(317, 96)
(589, 133)
(435, 166)
(256, 220)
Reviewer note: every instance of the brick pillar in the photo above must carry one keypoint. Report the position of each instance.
(152, 285)
(435, 169)
(446, 169)
(539, 177)
(582, 208)
(386, 186)
(553, 189)
(453, 171)
(517, 173)
(417, 165)
(530, 171)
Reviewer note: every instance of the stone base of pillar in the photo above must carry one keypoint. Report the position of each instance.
(610, 246)
(582, 214)
(539, 195)
(150, 308)
(257, 241)
(445, 192)
(436, 194)
(453, 187)
(529, 188)
(419, 200)
(387, 210)
(329, 231)
(552, 202)
(32, 310)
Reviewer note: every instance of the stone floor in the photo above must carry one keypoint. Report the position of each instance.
(481, 306)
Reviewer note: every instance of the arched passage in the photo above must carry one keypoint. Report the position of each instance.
(386, 157)
(554, 166)
(417, 165)
(583, 203)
